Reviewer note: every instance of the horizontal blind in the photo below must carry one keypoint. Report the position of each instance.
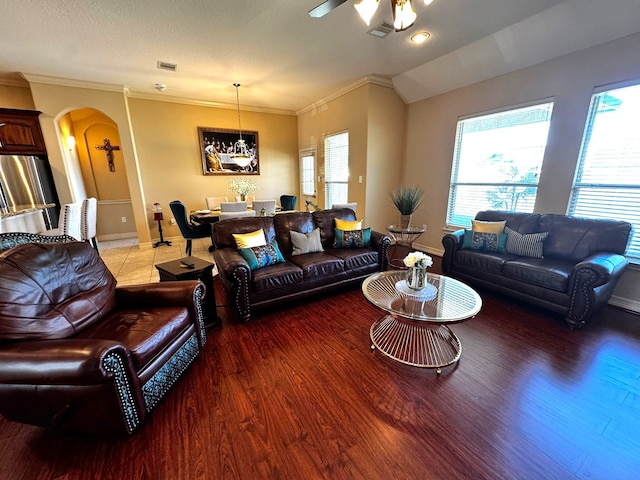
(607, 181)
(307, 174)
(497, 161)
(336, 168)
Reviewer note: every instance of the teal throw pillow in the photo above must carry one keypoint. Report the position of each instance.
(352, 238)
(483, 241)
(258, 257)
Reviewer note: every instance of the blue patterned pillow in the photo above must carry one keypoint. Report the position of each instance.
(530, 245)
(258, 257)
(483, 241)
(352, 238)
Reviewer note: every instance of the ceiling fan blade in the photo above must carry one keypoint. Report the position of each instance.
(325, 7)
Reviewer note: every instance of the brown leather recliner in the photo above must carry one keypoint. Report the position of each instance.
(78, 353)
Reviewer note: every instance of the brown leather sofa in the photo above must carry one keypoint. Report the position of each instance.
(582, 262)
(78, 353)
(299, 276)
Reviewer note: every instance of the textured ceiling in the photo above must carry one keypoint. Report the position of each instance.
(283, 58)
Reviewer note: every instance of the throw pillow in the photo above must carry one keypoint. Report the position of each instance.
(483, 241)
(488, 227)
(306, 242)
(348, 224)
(352, 238)
(251, 239)
(262, 255)
(530, 245)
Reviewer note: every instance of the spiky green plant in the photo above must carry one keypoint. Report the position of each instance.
(407, 199)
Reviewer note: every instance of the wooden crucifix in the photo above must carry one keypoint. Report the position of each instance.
(109, 149)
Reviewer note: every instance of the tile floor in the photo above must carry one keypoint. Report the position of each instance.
(133, 264)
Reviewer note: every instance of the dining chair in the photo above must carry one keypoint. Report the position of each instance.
(213, 203)
(88, 221)
(68, 222)
(188, 230)
(352, 205)
(288, 202)
(228, 215)
(268, 205)
(250, 199)
(233, 206)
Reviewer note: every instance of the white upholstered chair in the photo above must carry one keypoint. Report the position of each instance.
(213, 203)
(68, 222)
(88, 221)
(250, 199)
(233, 206)
(268, 205)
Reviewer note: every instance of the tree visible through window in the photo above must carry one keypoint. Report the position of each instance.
(607, 181)
(496, 162)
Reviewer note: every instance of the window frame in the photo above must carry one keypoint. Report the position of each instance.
(303, 154)
(328, 199)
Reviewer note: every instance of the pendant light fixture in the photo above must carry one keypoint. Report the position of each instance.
(240, 153)
(366, 9)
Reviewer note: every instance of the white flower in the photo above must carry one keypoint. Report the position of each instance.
(241, 186)
(418, 259)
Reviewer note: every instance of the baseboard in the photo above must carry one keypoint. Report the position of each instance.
(117, 236)
(626, 303)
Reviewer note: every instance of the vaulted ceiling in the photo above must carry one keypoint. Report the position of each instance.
(285, 59)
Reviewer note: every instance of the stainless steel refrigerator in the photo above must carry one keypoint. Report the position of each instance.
(26, 183)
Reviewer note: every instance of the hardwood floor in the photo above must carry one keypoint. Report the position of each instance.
(296, 393)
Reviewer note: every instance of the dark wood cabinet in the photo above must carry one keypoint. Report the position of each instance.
(20, 132)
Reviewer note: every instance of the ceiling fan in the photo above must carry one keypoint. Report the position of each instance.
(404, 14)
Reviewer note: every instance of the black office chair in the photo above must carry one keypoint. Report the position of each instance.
(288, 202)
(188, 230)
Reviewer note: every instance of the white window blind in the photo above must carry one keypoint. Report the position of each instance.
(607, 180)
(496, 162)
(308, 173)
(336, 168)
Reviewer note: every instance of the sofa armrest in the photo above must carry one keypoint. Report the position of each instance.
(381, 243)
(59, 362)
(236, 274)
(451, 243)
(591, 285)
(183, 293)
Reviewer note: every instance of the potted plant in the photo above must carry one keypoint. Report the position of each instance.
(407, 199)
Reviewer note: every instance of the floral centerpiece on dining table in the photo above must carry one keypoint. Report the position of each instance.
(417, 263)
(242, 187)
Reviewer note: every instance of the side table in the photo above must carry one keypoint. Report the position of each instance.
(403, 238)
(202, 270)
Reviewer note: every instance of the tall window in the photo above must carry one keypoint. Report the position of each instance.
(607, 181)
(336, 168)
(308, 173)
(496, 162)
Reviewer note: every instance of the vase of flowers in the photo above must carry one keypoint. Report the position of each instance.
(242, 187)
(417, 263)
(406, 200)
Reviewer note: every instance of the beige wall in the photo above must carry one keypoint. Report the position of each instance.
(170, 163)
(16, 97)
(570, 81)
(374, 117)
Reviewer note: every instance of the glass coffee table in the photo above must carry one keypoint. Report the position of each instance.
(415, 330)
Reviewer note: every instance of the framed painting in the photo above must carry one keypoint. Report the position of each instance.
(228, 152)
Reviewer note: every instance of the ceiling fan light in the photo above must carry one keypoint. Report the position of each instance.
(428, 2)
(403, 14)
(366, 9)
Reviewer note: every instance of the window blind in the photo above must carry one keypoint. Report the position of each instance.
(607, 180)
(336, 168)
(307, 174)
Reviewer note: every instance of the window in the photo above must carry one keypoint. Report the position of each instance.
(496, 162)
(336, 168)
(308, 173)
(607, 181)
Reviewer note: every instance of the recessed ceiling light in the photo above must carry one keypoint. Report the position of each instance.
(420, 37)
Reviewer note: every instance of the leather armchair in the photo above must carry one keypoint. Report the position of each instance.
(78, 353)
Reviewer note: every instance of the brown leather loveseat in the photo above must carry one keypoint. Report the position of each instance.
(579, 264)
(298, 276)
(78, 353)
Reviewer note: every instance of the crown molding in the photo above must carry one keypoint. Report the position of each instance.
(349, 87)
(69, 82)
(14, 82)
(161, 97)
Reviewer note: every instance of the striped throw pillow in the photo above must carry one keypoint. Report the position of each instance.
(525, 245)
